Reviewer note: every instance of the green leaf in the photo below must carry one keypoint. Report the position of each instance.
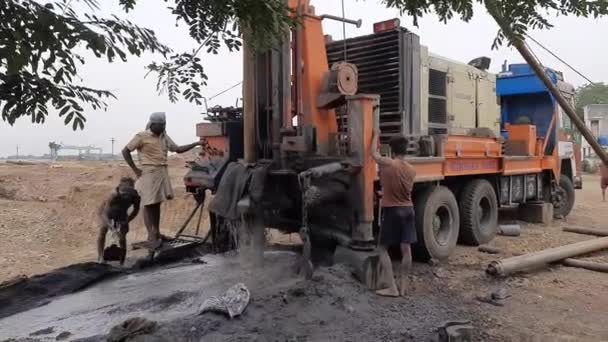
(68, 118)
(58, 76)
(64, 111)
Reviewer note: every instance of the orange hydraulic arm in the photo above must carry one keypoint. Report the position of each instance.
(309, 67)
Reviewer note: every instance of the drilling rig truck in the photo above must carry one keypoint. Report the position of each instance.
(297, 157)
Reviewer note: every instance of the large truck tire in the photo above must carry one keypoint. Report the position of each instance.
(437, 223)
(478, 213)
(565, 197)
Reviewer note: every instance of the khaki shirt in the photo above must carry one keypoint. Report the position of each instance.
(151, 149)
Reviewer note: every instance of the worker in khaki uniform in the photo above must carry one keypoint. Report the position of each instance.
(153, 183)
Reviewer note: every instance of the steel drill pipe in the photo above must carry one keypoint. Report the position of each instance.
(547, 256)
(586, 231)
(509, 230)
(588, 265)
(249, 140)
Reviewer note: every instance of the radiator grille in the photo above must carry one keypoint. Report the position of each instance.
(438, 118)
(377, 58)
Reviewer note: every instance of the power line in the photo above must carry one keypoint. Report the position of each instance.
(225, 91)
(560, 59)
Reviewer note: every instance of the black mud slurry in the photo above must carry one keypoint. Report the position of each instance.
(330, 307)
(284, 307)
(40, 289)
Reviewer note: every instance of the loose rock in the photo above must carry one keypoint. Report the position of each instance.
(63, 336)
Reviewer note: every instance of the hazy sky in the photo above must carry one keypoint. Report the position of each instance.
(579, 41)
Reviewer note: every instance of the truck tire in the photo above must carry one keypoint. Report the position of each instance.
(437, 223)
(565, 197)
(478, 213)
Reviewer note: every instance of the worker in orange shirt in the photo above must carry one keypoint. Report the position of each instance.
(397, 227)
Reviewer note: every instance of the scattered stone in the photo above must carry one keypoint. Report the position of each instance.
(297, 292)
(440, 273)
(433, 262)
(489, 249)
(521, 282)
(63, 336)
(496, 297)
(130, 328)
(350, 309)
(500, 294)
(45, 331)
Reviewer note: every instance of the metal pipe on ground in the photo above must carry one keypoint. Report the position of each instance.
(523, 262)
(586, 231)
(588, 265)
(509, 229)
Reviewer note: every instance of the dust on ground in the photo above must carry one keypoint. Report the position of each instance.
(47, 221)
(48, 213)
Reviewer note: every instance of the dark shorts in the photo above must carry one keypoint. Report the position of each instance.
(397, 226)
(604, 183)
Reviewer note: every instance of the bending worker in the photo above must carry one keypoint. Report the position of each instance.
(397, 227)
(153, 183)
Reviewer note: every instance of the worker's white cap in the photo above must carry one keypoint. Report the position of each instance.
(158, 117)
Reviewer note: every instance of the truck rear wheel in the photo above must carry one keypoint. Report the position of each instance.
(478, 213)
(437, 223)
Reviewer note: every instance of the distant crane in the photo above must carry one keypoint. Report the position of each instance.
(54, 147)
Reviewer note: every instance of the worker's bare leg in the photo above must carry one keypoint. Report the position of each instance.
(122, 242)
(387, 266)
(152, 222)
(604, 194)
(101, 242)
(406, 266)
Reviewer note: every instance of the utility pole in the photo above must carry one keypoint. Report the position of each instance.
(519, 44)
(17, 151)
(112, 140)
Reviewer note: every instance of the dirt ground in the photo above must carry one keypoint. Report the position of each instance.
(47, 220)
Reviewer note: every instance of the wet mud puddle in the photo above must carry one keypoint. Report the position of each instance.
(163, 294)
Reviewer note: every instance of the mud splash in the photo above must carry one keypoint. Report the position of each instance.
(39, 290)
(162, 294)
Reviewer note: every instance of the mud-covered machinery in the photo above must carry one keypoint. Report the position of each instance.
(299, 172)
